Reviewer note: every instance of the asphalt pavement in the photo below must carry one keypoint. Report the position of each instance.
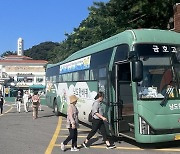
(20, 134)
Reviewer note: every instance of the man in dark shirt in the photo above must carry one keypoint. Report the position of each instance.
(1, 102)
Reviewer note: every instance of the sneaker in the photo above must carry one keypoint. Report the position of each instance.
(62, 146)
(85, 145)
(112, 146)
(74, 149)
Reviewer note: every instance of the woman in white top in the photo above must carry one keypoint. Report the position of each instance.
(25, 100)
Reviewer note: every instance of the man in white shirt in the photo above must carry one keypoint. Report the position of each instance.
(25, 100)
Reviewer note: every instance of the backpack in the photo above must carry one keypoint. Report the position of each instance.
(90, 117)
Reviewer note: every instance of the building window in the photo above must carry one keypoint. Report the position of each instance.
(39, 79)
(29, 79)
(20, 79)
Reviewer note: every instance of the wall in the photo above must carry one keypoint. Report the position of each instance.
(177, 18)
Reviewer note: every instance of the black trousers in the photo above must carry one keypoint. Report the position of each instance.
(72, 136)
(97, 124)
(1, 106)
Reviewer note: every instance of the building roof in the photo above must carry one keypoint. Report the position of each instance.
(23, 61)
(14, 59)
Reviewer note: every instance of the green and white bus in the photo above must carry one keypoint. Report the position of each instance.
(139, 73)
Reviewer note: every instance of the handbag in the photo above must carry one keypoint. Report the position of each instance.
(90, 117)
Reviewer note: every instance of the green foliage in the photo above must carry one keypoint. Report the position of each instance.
(105, 20)
(41, 51)
(8, 53)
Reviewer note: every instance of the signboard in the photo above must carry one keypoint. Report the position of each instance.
(76, 65)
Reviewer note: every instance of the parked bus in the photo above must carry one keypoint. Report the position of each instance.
(139, 73)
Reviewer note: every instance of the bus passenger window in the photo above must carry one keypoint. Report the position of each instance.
(102, 72)
(64, 77)
(75, 76)
(86, 75)
(93, 74)
(69, 77)
(60, 78)
(81, 75)
(102, 87)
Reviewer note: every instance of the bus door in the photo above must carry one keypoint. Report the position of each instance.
(124, 100)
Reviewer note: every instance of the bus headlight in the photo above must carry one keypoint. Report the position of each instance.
(143, 126)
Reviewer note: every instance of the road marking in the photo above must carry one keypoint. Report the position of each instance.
(168, 149)
(78, 136)
(7, 110)
(78, 129)
(54, 138)
(104, 147)
(124, 148)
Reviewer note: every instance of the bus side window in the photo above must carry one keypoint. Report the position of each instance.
(60, 78)
(93, 74)
(86, 75)
(102, 72)
(75, 76)
(81, 75)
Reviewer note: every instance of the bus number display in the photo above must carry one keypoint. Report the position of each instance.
(163, 48)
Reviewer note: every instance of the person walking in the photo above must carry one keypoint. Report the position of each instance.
(35, 104)
(98, 122)
(25, 100)
(18, 101)
(39, 108)
(72, 124)
(1, 102)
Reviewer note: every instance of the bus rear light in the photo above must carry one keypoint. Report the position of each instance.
(144, 128)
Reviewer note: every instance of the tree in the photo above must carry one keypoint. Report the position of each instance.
(7, 53)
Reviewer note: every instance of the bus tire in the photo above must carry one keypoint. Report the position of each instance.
(56, 110)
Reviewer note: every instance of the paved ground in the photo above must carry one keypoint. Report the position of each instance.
(20, 134)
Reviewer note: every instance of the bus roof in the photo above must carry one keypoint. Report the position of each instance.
(127, 37)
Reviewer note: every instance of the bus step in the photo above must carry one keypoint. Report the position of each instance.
(129, 135)
(131, 125)
(123, 126)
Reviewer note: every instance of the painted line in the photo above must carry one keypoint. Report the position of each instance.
(78, 136)
(54, 138)
(78, 129)
(126, 148)
(104, 147)
(7, 110)
(175, 150)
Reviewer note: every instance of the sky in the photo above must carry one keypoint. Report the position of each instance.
(37, 21)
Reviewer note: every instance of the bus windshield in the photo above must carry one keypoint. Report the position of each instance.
(161, 72)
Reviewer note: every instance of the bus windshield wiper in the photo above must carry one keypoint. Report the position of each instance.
(166, 96)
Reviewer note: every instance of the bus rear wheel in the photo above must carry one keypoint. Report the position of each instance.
(56, 110)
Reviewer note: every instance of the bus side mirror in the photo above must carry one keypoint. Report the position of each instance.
(137, 70)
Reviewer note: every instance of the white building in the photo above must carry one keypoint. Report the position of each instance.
(24, 72)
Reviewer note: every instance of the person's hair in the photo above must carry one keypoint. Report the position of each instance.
(35, 93)
(99, 94)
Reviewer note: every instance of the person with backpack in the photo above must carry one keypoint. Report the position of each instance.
(35, 104)
(98, 122)
(1, 102)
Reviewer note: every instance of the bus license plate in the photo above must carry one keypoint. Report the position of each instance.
(177, 137)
